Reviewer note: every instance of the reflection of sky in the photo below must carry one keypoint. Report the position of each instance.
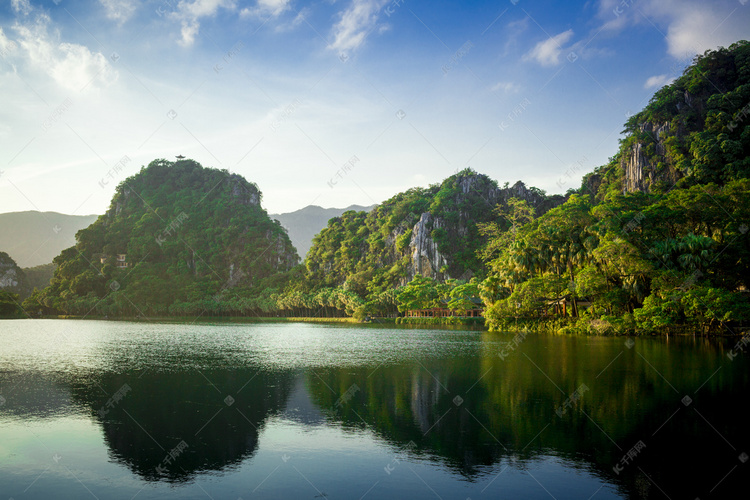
(51, 446)
(288, 379)
(64, 457)
(70, 346)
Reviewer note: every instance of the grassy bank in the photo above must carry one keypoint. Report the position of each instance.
(448, 320)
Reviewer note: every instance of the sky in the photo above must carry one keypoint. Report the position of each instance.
(331, 102)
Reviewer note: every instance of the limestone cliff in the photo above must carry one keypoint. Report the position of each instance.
(428, 231)
(694, 130)
(642, 169)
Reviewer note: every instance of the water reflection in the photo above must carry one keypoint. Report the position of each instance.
(172, 425)
(652, 419)
(599, 404)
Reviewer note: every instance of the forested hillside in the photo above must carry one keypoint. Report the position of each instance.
(12, 286)
(302, 225)
(177, 239)
(655, 241)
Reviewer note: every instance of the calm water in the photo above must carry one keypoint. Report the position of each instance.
(135, 410)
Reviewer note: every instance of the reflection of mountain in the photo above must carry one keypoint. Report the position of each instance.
(473, 412)
(472, 415)
(218, 415)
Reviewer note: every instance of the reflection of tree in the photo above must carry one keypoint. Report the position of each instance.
(514, 408)
(218, 414)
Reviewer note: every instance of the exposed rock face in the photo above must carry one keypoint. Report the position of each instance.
(640, 170)
(434, 232)
(8, 278)
(424, 251)
(245, 192)
(11, 276)
(426, 259)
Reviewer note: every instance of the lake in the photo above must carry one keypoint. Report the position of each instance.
(130, 410)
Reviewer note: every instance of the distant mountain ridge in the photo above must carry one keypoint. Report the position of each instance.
(34, 238)
(303, 224)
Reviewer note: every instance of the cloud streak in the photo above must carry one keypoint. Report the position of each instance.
(658, 81)
(190, 15)
(691, 26)
(119, 10)
(547, 52)
(355, 23)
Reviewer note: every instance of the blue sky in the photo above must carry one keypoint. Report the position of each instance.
(332, 102)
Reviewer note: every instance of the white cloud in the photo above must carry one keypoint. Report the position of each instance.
(355, 23)
(514, 30)
(21, 7)
(658, 81)
(190, 13)
(692, 26)
(70, 65)
(547, 52)
(263, 8)
(119, 10)
(7, 46)
(507, 87)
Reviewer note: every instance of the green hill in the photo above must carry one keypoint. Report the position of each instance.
(432, 232)
(12, 287)
(656, 240)
(178, 238)
(302, 225)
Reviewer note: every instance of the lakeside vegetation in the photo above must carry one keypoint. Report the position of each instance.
(655, 241)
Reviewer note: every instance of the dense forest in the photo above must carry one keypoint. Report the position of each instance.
(656, 240)
(177, 239)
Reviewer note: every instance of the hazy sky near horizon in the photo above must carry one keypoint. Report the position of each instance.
(331, 102)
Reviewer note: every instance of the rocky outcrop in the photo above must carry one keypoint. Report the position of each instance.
(434, 232)
(244, 192)
(640, 168)
(426, 258)
(11, 276)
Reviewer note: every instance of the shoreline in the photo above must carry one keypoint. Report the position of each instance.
(477, 324)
